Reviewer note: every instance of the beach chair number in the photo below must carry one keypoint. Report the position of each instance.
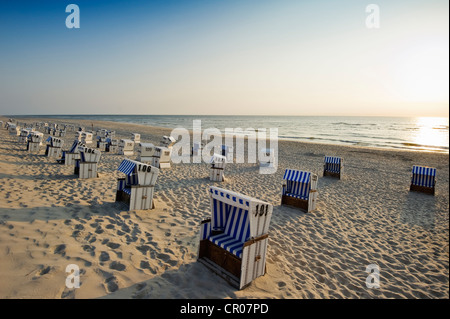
(262, 210)
(145, 168)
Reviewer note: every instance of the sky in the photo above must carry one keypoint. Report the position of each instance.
(230, 57)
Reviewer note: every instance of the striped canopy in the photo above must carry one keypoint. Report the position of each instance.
(127, 166)
(297, 176)
(332, 160)
(423, 176)
(227, 205)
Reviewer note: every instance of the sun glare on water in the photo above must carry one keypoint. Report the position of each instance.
(431, 132)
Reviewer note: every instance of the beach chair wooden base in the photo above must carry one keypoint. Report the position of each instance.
(236, 271)
(422, 189)
(33, 147)
(126, 153)
(331, 174)
(306, 205)
(216, 175)
(141, 198)
(22, 139)
(54, 152)
(87, 170)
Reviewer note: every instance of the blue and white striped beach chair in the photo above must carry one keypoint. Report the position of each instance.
(233, 242)
(333, 166)
(299, 189)
(423, 179)
(70, 156)
(137, 188)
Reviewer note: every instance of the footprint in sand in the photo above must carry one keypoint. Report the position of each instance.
(116, 265)
(60, 249)
(104, 256)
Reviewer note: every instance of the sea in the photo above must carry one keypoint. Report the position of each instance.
(429, 134)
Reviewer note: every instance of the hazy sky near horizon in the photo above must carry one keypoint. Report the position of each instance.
(280, 57)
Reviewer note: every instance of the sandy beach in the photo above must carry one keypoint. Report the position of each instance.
(50, 219)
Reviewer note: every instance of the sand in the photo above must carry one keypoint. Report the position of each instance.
(50, 219)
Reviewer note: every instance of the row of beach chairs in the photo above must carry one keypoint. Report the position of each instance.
(234, 239)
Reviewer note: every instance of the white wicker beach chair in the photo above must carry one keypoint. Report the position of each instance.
(126, 147)
(233, 242)
(216, 173)
(146, 152)
(333, 166)
(137, 188)
(86, 166)
(299, 189)
(54, 147)
(423, 179)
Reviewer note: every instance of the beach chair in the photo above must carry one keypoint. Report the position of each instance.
(146, 151)
(216, 173)
(126, 147)
(233, 242)
(23, 135)
(167, 141)
(423, 179)
(86, 166)
(136, 138)
(299, 189)
(137, 188)
(267, 157)
(161, 157)
(54, 147)
(333, 166)
(70, 156)
(86, 138)
(113, 145)
(34, 141)
(13, 129)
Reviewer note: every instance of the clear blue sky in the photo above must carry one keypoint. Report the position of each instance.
(225, 57)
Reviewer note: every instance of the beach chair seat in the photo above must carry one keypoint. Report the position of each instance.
(233, 242)
(423, 179)
(333, 166)
(299, 189)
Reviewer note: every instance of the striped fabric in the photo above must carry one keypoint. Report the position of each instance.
(236, 233)
(121, 184)
(332, 164)
(74, 147)
(423, 176)
(127, 167)
(205, 231)
(297, 183)
(127, 190)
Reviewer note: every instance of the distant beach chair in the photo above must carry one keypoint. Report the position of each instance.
(54, 147)
(299, 189)
(126, 147)
(34, 141)
(161, 157)
(86, 166)
(423, 179)
(113, 145)
(333, 166)
(218, 163)
(23, 135)
(136, 138)
(13, 129)
(267, 157)
(233, 242)
(146, 151)
(70, 156)
(86, 137)
(137, 188)
(167, 141)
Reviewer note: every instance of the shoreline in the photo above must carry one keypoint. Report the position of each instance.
(168, 130)
(50, 219)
